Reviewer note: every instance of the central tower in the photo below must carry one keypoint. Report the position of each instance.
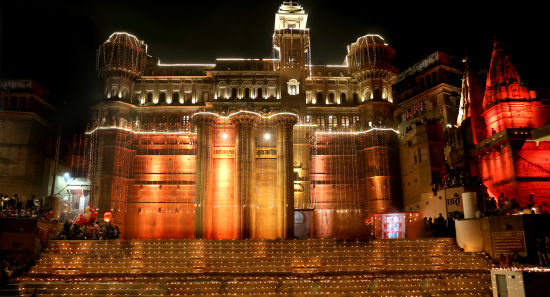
(292, 48)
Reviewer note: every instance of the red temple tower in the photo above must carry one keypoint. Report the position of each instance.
(510, 160)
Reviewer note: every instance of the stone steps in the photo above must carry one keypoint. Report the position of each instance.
(427, 267)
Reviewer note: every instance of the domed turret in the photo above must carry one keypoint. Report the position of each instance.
(370, 51)
(370, 62)
(120, 60)
(121, 53)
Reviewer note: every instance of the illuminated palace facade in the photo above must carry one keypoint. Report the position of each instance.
(244, 148)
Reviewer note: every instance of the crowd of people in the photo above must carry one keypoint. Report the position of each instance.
(12, 266)
(543, 254)
(457, 177)
(15, 207)
(504, 206)
(441, 226)
(92, 231)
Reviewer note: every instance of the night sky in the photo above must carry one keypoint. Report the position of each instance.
(55, 42)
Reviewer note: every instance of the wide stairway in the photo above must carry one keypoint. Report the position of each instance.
(426, 267)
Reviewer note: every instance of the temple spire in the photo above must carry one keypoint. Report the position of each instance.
(503, 82)
(464, 107)
(470, 98)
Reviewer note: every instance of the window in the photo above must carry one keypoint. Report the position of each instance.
(187, 97)
(149, 97)
(367, 95)
(355, 121)
(175, 97)
(320, 121)
(259, 93)
(355, 98)
(377, 93)
(125, 94)
(293, 87)
(185, 121)
(205, 96)
(331, 98)
(114, 92)
(233, 93)
(319, 97)
(342, 98)
(222, 93)
(345, 121)
(162, 97)
(246, 93)
(332, 122)
(308, 119)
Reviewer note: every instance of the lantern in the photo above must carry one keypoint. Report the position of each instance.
(107, 217)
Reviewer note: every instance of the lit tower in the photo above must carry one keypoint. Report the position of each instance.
(510, 162)
(291, 47)
(370, 62)
(120, 60)
(506, 102)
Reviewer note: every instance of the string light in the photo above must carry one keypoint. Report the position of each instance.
(257, 267)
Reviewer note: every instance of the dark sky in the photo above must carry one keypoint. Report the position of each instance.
(55, 42)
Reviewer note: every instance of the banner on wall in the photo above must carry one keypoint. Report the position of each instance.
(266, 153)
(224, 152)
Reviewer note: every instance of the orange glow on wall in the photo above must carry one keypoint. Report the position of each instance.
(518, 170)
(337, 188)
(160, 198)
(221, 223)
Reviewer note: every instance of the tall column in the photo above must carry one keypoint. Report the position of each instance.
(245, 178)
(205, 124)
(379, 176)
(302, 159)
(285, 174)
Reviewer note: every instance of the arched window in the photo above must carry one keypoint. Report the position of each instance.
(332, 122)
(367, 95)
(293, 87)
(187, 98)
(259, 93)
(355, 98)
(234, 93)
(149, 97)
(342, 98)
(346, 122)
(246, 93)
(114, 93)
(331, 98)
(124, 94)
(162, 97)
(377, 93)
(175, 97)
(355, 122)
(185, 121)
(320, 98)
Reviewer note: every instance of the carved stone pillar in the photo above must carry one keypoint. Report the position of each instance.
(285, 174)
(205, 124)
(245, 169)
